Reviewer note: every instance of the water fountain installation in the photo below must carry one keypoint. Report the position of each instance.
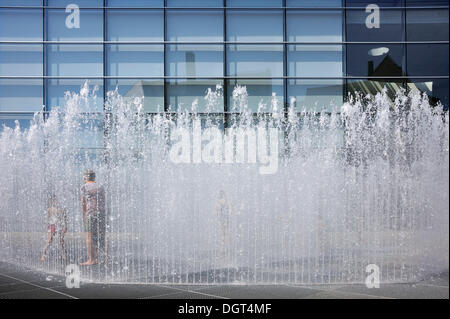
(367, 184)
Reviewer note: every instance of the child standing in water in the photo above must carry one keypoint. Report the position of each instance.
(57, 225)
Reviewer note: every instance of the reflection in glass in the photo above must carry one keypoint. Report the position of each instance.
(20, 59)
(427, 25)
(260, 93)
(135, 60)
(375, 60)
(9, 120)
(91, 26)
(20, 24)
(33, 3)
(380, 3)
(74, 60)
(374, 86)
(391, 26)
(422, 3)
(427, 59)
(182, 94)
(57, 88)
(135, 25)
(194, 3)
(316, 95)
(80, 3)
(314, 26)
(194, 60)
(135, 3)
(254, 3)
(151, 90)
(265, 25)
(21, 95)
(436, 89)
(315, 60)
(184, 25)
(255, 60)
(314, 3)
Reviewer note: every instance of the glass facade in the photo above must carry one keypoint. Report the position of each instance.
(173, 51)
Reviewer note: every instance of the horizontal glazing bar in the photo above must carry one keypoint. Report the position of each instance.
(225, 77)
(223, 42)
(225, 8)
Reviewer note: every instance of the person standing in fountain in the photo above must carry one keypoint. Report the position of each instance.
(57, 225)
(223, 211)
(93, 213)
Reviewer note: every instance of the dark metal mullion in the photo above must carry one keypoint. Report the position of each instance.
(344, 52)
(285, 81)
(226, 109)
(104, 54)
(405, 49)
(44, 60)
(166, 104)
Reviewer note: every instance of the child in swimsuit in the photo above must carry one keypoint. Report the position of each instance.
(57, 225)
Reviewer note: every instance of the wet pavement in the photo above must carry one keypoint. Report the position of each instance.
(20, 282)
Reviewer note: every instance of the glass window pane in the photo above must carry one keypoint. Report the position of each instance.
(315, 60)
(21, 59)
(136, 3)
(427, 59)
(21, 95)
(253, 26)
(30, 3)
(427, 25)
(135, 60)
(375, 60)
(135, 25)
(254, 3)
(90, 134)
(194, 3)
(80, 3)
(422, 3)
(21, 25)
(436, 89)
(314, 26)
(9, 120)
(194, 60)
(374, 86)
(391, 26)
(255, 60)
(151, 90)
(183, 93)
(260, 93)
(91, 26)
(57, 88)
(183, 25)
(380, 3)
(314, 3)
(315, 95)
(74, 60)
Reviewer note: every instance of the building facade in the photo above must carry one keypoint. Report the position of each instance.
(172, 51)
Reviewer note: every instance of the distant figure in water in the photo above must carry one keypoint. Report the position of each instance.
(224, 211)
(93, 213)
(57, 225)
